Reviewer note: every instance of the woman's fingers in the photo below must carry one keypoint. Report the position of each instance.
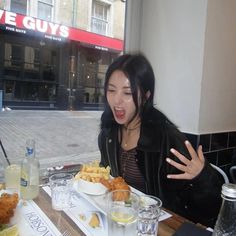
(181, 157)
(179, 176)
(190, 149)
(176, 165)
(191, 168)
(200, 153)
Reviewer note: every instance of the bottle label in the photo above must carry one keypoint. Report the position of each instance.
(24, 179)
(29, 151)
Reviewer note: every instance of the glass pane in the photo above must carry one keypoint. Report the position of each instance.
(19, 6)
(12, 55)
(44, 11)
(9, 90)
(31, 58)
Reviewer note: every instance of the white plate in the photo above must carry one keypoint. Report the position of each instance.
(90, 188)
(98, 201)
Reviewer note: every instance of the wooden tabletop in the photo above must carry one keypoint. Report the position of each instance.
(63, 222)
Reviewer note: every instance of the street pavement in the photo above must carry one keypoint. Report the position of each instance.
(62, 137)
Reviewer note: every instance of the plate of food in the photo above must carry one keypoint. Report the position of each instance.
(8, 205)
(88, 180)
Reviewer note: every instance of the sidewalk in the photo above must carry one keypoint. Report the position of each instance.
(62, 137)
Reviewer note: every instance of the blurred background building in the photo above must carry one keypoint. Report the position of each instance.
(54, 54)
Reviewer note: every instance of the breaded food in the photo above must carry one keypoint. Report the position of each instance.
(8, 203)
(117, 183)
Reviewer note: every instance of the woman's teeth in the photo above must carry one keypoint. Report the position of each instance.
(119, 113)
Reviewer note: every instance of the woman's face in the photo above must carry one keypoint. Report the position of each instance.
(119, 97)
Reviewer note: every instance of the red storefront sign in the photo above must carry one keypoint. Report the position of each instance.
(27, 25)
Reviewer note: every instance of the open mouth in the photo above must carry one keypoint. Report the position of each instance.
(119, 113)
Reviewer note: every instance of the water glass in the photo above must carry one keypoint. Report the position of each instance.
(148, 215)
(61, 187)
(122, 212)
(12, 177)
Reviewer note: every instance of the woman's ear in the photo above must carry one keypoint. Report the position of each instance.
(148, 93)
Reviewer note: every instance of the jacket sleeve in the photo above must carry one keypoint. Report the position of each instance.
(200, 198)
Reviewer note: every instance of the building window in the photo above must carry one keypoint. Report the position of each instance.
(19, 6)
(100, 18)
(13, 55)
(45, 9)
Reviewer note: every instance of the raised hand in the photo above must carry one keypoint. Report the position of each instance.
(190, 168)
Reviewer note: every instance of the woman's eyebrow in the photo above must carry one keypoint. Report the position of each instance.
(126, 87)
(111, 85)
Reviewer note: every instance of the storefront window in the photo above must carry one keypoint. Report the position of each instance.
(32, 78)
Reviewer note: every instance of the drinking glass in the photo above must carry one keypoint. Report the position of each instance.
(122, 212)
(12, 177)
(148, 215)
(61, 187)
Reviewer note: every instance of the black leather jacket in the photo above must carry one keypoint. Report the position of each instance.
(198, 200)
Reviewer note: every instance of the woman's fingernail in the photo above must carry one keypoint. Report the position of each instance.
(168, 160)
(187, 142)
(168, 176)
(172, 150)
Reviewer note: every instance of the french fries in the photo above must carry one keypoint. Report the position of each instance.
(93, 173)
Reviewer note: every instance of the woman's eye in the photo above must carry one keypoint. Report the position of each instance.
(128, 93)
(110, 90)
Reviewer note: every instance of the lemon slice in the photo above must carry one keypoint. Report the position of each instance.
(11, 231)
(121, 217)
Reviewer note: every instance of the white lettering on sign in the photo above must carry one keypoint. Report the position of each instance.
(20, 31)
(31, 23)
(1, 13)
(101, 48)
(41, 26)
(10, 18)
(10, 28)
(64, 31)
(53, 27)
(28, 22)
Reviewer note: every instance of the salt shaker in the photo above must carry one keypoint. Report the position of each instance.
(226, 221)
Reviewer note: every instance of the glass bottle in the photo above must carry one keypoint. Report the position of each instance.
(30, 173)
(226, 221)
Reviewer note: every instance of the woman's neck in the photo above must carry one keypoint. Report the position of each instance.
(130, 135)
(134, 124)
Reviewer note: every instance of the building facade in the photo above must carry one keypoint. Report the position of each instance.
(54, 54)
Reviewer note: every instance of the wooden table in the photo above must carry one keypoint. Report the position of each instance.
(63, 222)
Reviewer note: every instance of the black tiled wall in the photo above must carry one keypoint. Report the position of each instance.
(218, 148)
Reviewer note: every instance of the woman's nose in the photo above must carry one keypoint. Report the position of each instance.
(118, 98)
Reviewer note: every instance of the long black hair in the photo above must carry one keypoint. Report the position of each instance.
(139, 71)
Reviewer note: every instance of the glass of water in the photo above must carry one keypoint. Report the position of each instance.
(61, 187)
(148, 215)
(122, 212)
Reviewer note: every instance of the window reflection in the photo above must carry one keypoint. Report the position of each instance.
(45, 9)
(99, 20)
(19, 6)
(30, 73)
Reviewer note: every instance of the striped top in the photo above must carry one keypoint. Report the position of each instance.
(129, 169)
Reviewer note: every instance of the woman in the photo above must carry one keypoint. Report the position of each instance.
(140, 144)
